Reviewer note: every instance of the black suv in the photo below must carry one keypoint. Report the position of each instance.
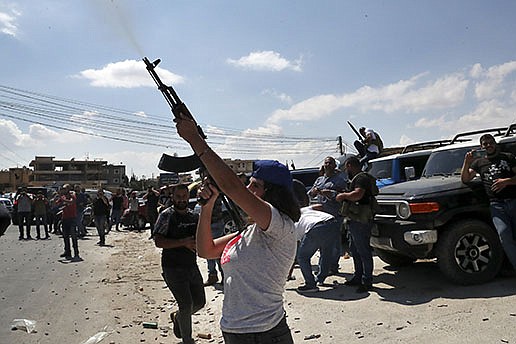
(440, 217)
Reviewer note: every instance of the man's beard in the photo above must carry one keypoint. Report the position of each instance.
(181, 205)
(495, 152)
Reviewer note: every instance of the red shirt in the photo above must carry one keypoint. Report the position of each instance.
(70, 210)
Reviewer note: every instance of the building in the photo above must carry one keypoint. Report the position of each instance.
(14, 178)
(88, 173)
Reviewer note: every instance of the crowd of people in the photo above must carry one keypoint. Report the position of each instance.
(71, 209)
(288, 225)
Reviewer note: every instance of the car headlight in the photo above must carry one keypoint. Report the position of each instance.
(404, 210)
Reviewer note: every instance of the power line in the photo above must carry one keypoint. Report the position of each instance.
(120, 125)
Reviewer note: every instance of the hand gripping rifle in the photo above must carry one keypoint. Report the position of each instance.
(189, 163)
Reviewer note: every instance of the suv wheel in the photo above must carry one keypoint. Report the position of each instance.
(393, 259)
(229, 224)
(469, 252)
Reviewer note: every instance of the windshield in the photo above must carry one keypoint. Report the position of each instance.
(445, 163)
(381, 169)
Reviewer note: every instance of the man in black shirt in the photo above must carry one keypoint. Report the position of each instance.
(360, 222)
(117, 209)
(174, 232)
(151, 198)
(498, 173)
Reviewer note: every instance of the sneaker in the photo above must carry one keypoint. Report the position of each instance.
(212, 279)
(175, 325)
(76, 259)
(364, 288)
(65, 254)
(353, 281)
(307, 289)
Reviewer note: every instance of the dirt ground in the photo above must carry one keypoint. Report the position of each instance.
(116, 289)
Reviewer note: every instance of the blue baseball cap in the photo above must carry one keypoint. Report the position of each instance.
(272, 171)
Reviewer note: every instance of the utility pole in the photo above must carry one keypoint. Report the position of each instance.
(340, 145)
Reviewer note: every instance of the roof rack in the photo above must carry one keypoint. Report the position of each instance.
(497, 132)
(425, 145)
(510, 130)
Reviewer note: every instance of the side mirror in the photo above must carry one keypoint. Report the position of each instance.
(410, 173)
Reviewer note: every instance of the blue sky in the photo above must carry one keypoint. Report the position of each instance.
(266, 80)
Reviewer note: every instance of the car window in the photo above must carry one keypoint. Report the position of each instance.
(445, 163)
(381, 169)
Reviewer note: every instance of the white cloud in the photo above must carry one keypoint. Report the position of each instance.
(10, 133)
(283, 97)
(492, 81)
(8, 22)
(126, 74)
(430, 122)
(405, 140)
(140, 163)
(405, 95)
(267, 61)
(37, 136)
(85, 118)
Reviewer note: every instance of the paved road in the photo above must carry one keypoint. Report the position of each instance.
(121, 287)
(36, 284)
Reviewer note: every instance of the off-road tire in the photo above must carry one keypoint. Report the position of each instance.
(469, 252)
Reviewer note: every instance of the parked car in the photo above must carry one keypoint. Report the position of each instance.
(5, 218)
(8, 205)
(306, 175)
(437, 216)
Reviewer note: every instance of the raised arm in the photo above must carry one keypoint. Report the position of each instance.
(227, 181)
(467, 173)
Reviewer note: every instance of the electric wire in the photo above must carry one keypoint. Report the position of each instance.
(120, 125)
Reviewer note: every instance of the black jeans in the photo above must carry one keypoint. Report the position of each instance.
(187, 286)
(279, 334)
(69, 230)
(24, 218)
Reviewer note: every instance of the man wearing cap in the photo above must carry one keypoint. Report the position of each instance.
(257, 260)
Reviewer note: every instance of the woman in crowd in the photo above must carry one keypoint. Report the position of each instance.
(257, 260)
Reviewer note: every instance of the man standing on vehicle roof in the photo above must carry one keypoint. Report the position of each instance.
(498, 173)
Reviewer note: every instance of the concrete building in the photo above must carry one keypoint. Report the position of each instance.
(89, 173)
(13, 178)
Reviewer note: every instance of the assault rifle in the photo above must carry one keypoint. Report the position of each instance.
(189, 163)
